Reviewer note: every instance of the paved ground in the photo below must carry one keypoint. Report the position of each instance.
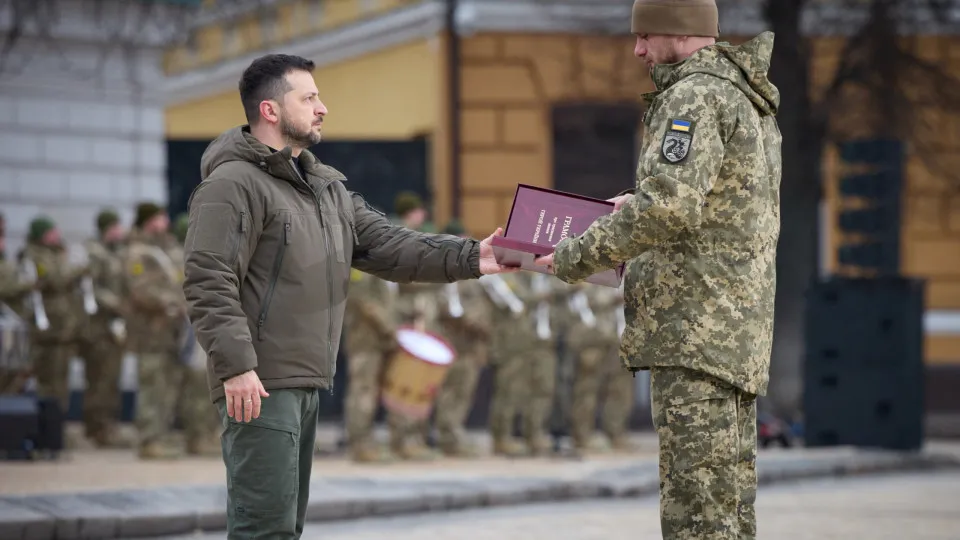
(100, 470)
(914, 507)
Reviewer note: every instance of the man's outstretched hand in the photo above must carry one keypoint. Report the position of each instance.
(488, 263)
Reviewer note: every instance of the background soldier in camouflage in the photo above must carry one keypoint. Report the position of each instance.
(418, 305)
(58, 282)
(198, 417)
(618, 391)
(468, 331)
(526, 366)
(13, 292)
(101, 340)
(371, 323)
(700, 305)
(593, 336)
(156, 315)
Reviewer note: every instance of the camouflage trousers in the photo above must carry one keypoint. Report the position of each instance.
(102, 359)
(456, 398)
(51, 366)
(365, 369)
(524, 384)
(591, 370)
(200, 419)
(708, 455)
(619, 390)
(158, 381)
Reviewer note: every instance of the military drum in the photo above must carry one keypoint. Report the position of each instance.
(415, 373)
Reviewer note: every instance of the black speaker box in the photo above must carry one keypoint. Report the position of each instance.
(863, 371)
(19, 423)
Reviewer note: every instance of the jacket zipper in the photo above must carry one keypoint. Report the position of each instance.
(241, 229)
(274, 277)
(331, 360)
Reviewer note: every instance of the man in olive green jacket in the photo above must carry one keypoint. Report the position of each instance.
(272, 236)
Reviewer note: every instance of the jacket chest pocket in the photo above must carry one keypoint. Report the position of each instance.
(302, 240)
(342, 235)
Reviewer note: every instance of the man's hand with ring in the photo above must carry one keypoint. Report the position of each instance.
(243, 394)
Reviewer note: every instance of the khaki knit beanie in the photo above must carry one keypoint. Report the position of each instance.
(676, 18)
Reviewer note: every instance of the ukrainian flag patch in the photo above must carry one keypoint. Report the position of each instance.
(680, 125)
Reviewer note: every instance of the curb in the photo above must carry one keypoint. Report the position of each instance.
(187, 509)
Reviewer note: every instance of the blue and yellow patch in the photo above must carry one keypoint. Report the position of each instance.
(680, 125)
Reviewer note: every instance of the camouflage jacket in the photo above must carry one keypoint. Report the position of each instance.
(59, 285)
(12, 288)
(153, 290)
(516, 333)
(106, 269)
(701, 231)
(592, 323)
(371, 314)
(470, 330)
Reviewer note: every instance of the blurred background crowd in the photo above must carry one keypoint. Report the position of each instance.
(437, 111)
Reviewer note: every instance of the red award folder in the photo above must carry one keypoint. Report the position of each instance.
(539, 219)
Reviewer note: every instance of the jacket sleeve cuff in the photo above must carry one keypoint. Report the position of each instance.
(228, 366)
(473, 260)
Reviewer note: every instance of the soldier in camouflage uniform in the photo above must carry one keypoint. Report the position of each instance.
(51, 349)
(102, 338)
(699, 305)
(371, 323)
(200, 420)
(593, 338)
(466, 321)
(618, 391)
(154, 325)
(526, 361)
(418, 305)
(13, 292)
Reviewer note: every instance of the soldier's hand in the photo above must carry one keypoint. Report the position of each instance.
(619, 201)
(243, 393)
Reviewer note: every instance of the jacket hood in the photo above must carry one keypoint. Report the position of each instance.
(744, 65)
(238, 144)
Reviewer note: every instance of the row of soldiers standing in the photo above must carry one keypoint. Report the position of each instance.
(123, 294)
(531, 329)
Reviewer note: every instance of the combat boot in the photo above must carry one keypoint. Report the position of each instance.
(370, 454)
(460, 449)
(540, 445)
(75, 437)
(204, 446)
(621, 443)
(509, 447)
(412, 451)
(159, 451)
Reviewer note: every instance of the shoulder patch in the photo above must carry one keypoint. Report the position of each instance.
(677, 140)
(41, 270)
(355, 275)
(136, 269)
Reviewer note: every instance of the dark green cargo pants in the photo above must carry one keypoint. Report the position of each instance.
(268, 465)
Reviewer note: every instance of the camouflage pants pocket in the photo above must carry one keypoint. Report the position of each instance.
(705, 485)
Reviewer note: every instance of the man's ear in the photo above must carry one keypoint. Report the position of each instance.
(270, 111)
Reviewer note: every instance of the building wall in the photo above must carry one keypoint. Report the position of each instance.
(931, 207)
(509, 83)
(75, 140)
(392, 94)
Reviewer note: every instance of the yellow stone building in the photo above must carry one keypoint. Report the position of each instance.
(548, 96)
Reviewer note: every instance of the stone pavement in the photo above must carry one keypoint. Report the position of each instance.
(914, 506)
(406, 489)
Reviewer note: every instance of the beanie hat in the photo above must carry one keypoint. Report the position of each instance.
(107, 219)
(676, 18)
(406, 201)
(39, 227)
(180, 227)
(145, 212)
(454, 227)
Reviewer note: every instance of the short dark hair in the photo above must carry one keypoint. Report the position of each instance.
(264, 79)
